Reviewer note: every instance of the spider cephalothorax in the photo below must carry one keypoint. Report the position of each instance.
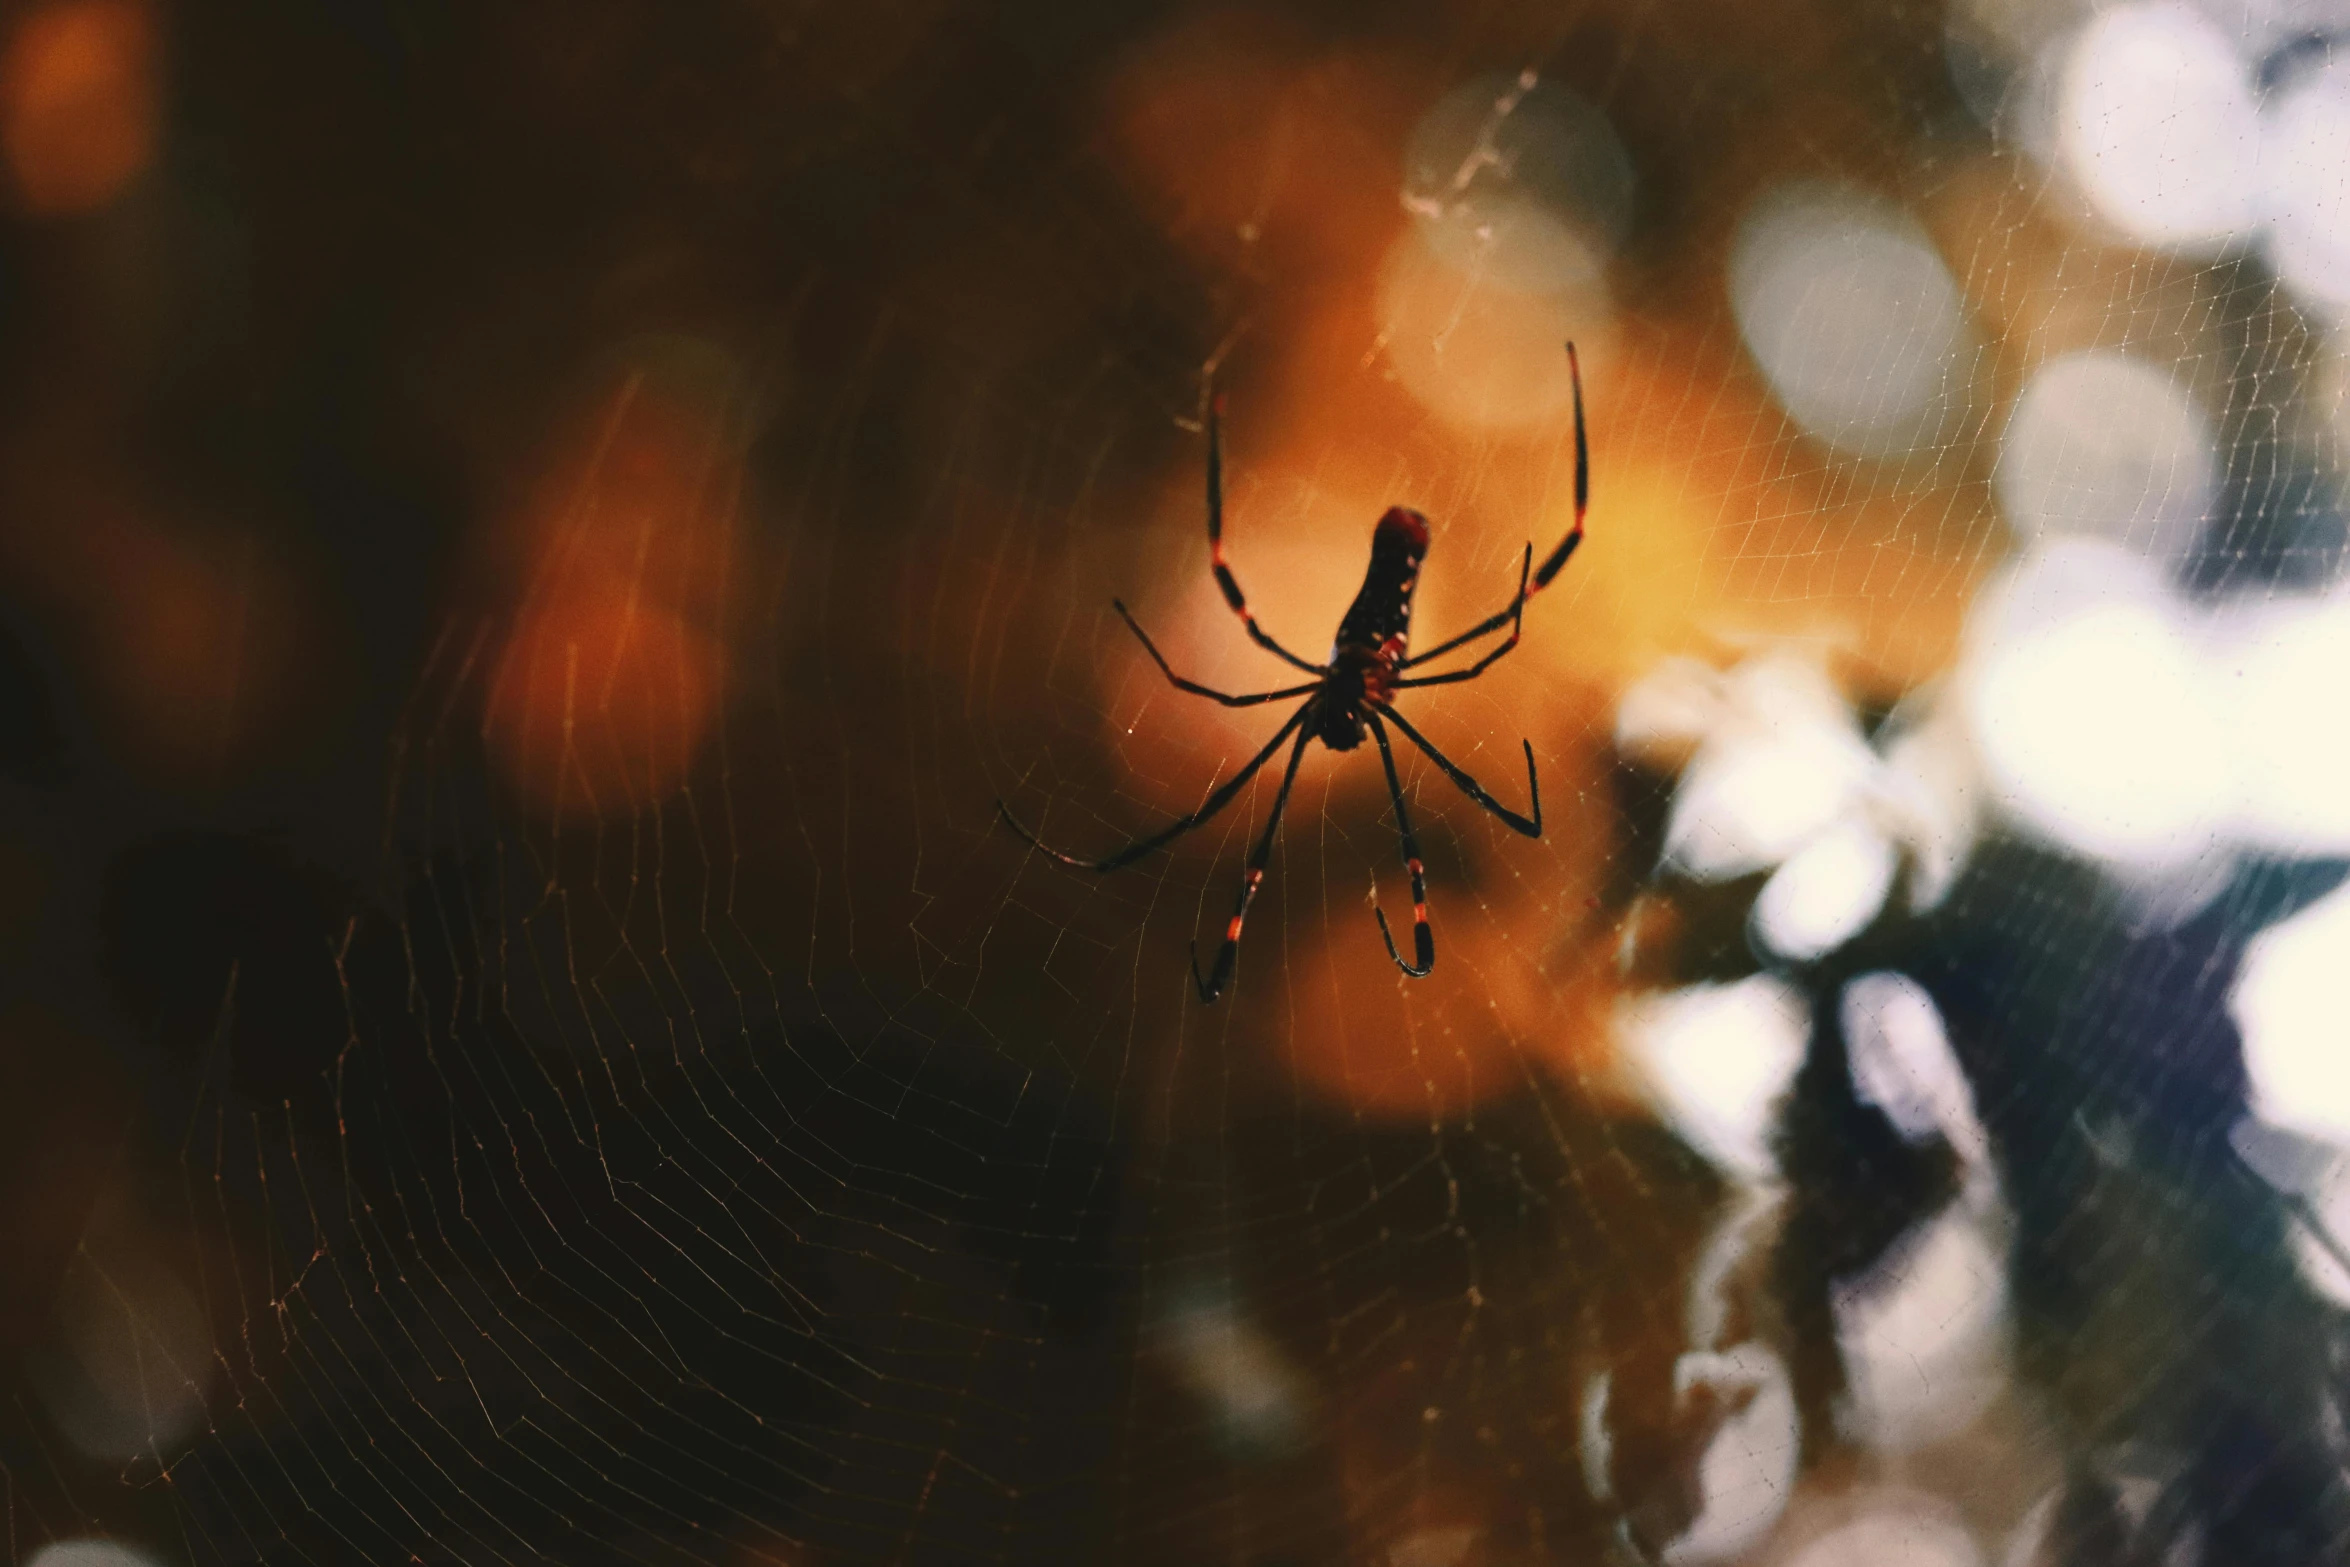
(1350, 695)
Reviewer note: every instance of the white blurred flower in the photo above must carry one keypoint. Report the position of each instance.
(1903, 1064)
(1781, 779)
(1715, 1060)
(2289, 1003)
(2283, 665)
(1827, 890)
(1897, 1530)
(1925, 1334)
(2153, 737)
(1746, 1471)
(2098, 725)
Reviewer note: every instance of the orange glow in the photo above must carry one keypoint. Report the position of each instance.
(1480, 357)
(1525, 980)
(175, 628)
(613, 675)
(1523, 986)
(1247, 144)
(200, 651)
(601, 700)
(77, 103)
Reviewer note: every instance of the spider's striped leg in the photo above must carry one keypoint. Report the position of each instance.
(1193, 686)
(1213, 986)
(1423, 940)
(1181, 825)
(1517, 614)
(1224, 578)
(1557, 558)
(1531, 826)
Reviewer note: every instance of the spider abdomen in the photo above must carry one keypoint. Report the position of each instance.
(1382, 611)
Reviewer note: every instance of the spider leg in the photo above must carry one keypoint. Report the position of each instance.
(1213, 986)
(1194, 686)
(1224, 578)
(1530, 826)
(1557, 558)
(1423, 940)
(1517, 613)
(1215, 802)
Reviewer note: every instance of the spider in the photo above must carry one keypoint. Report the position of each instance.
(1349, 695)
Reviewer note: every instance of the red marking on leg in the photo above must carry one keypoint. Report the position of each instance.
(1413, 866)
(1232, 931)
(1420, 913)
(1255, 876)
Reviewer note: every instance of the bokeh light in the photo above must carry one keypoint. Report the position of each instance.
(2105, 445)
(88, 1553)
(1519, 193)
(1715, 1059)
(613, 673)
(2096, 719)
(1520, 184)
(1925, 1333)
(1902, 1063)
(2158, 125)
(1849, 311)
(2289, 1001)
(1784, 759)
(1483, 357)
(1247, 1387)
(2006, 59)
(78, 110)
(1826, 891)
(1889, 1531)
(1746, 1474)
(2305, 168)
(132, 1355)
(2283, 664)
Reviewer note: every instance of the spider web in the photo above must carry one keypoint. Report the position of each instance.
(1863, 1127)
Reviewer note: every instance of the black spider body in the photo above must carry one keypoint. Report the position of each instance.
(1351, 696)
(1367, 659)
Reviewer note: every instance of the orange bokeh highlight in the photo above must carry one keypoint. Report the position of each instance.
(1484, 358)
(601, 699)
(186, 648)
(78, 113)
(1525, 982)
(200, 645)
(613, 674)
(1248, 143)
